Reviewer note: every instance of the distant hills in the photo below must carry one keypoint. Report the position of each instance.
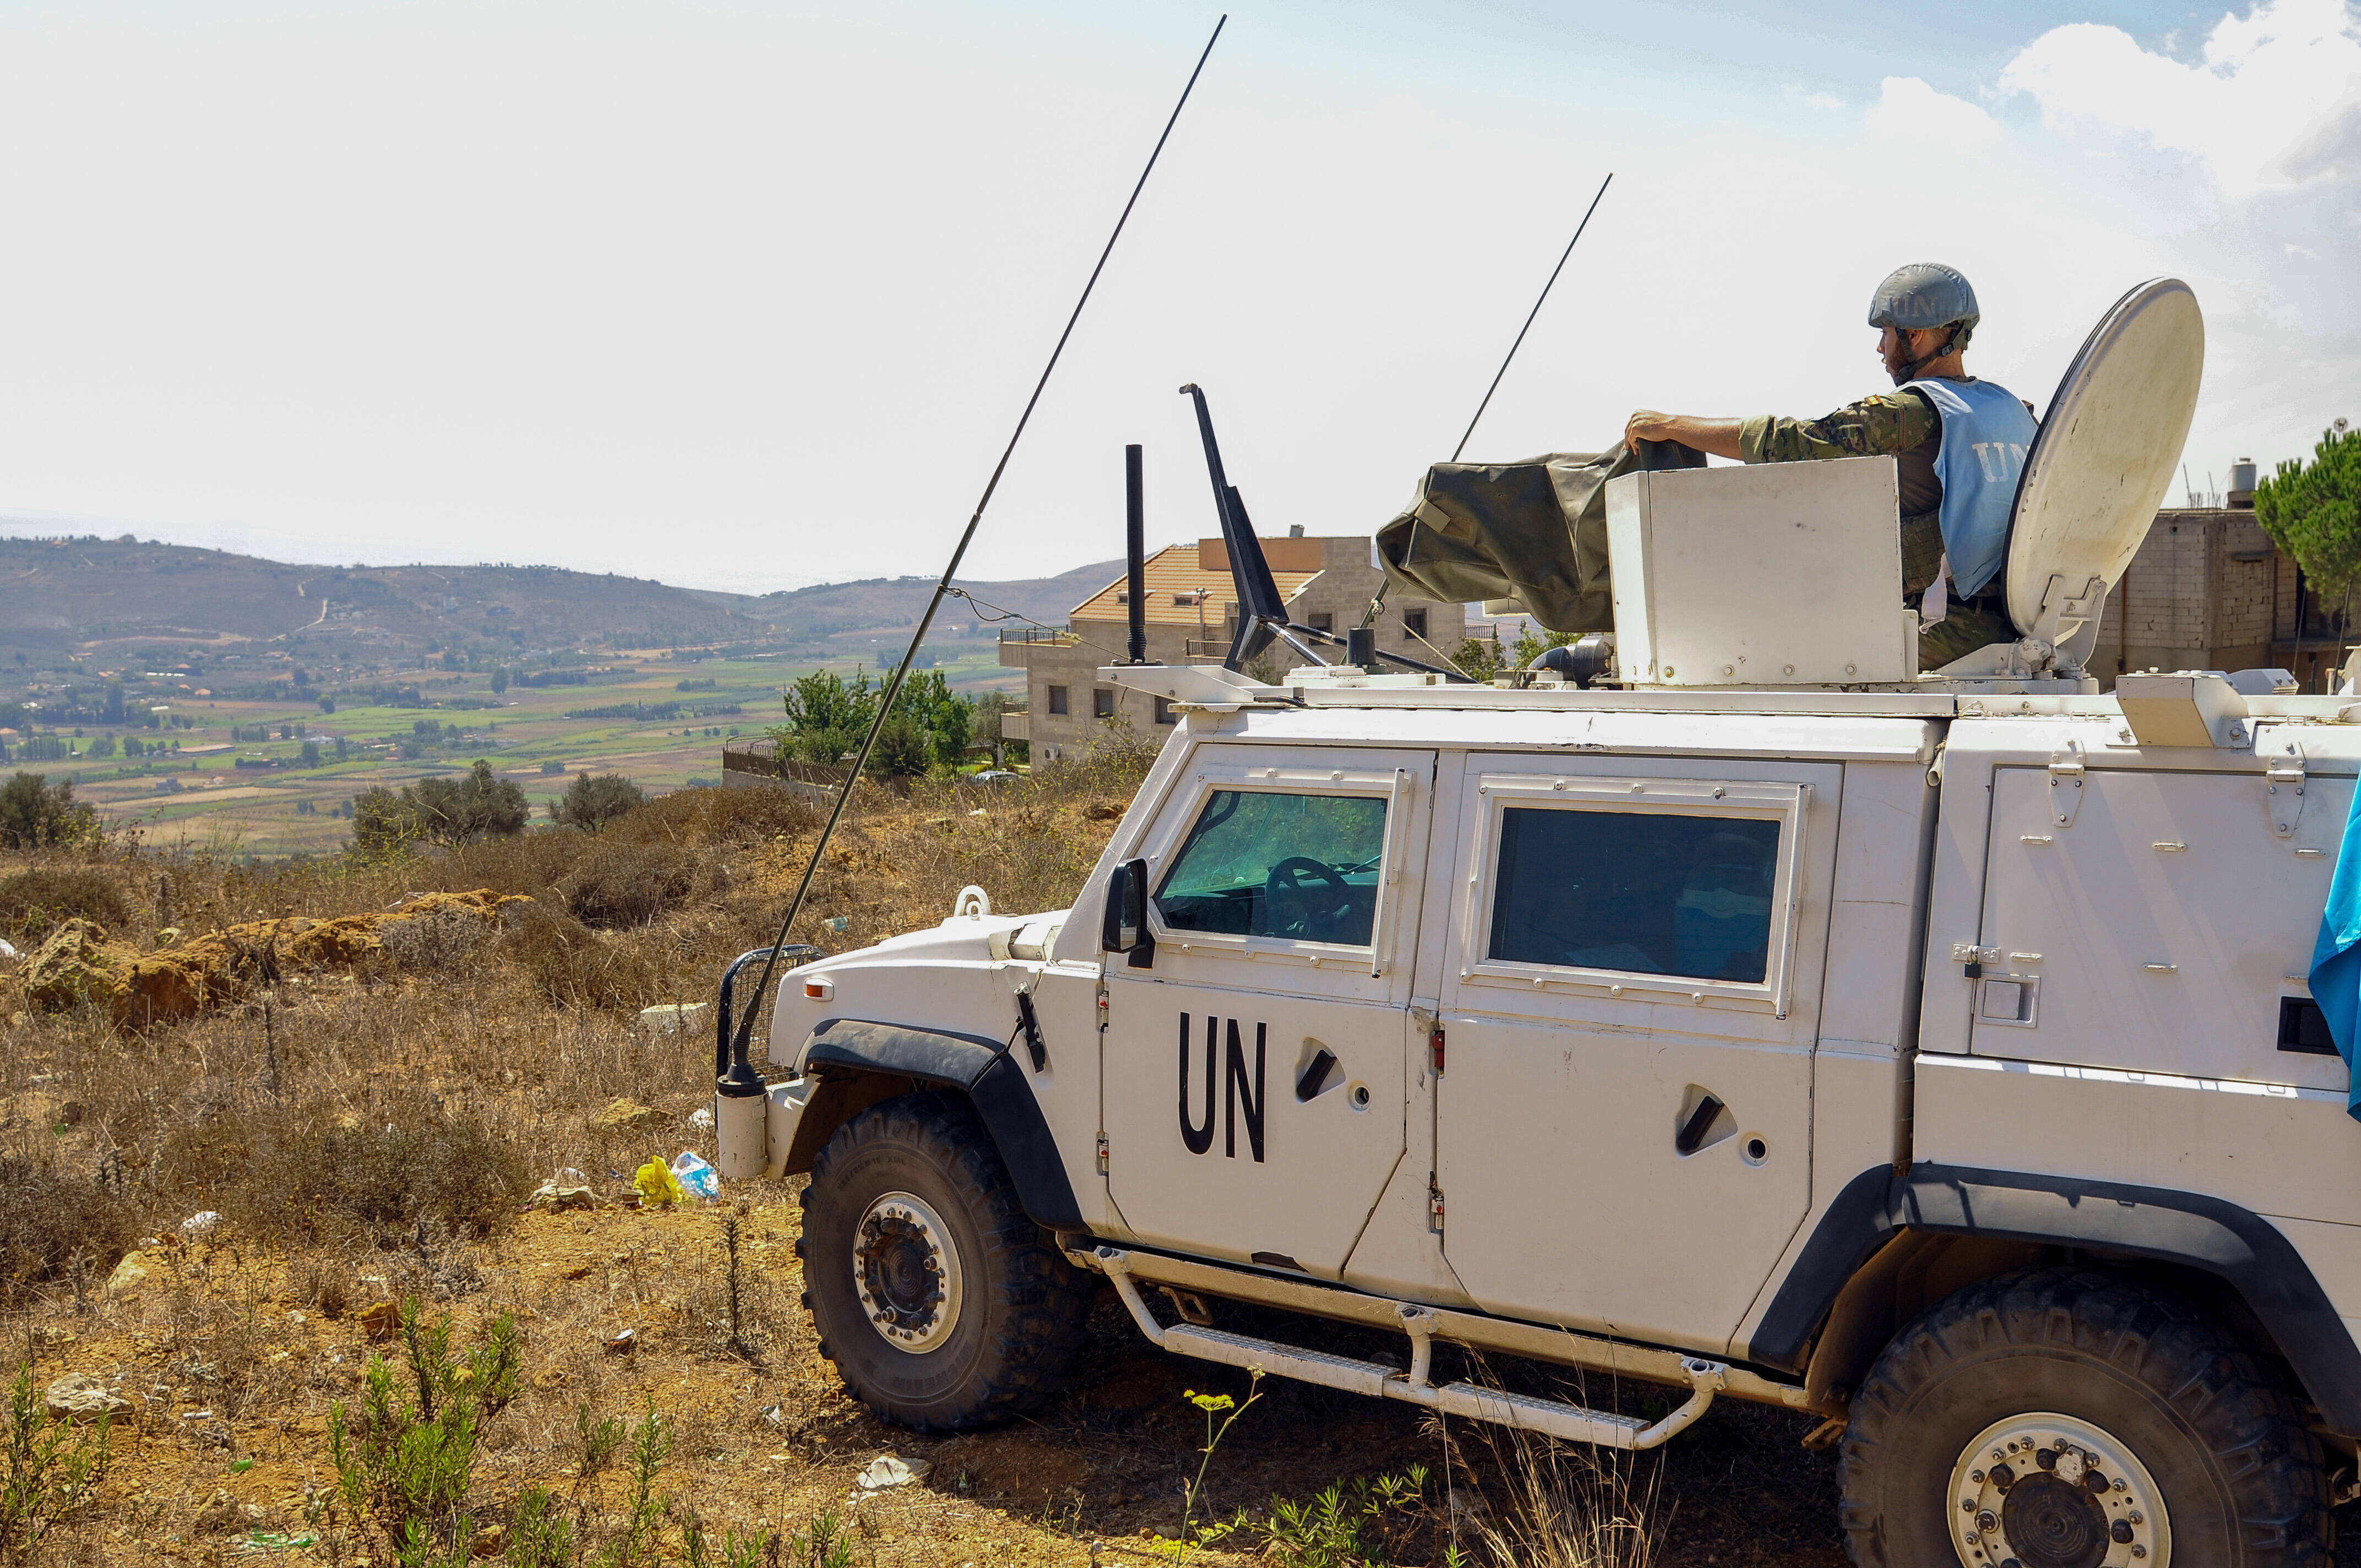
(70, 601)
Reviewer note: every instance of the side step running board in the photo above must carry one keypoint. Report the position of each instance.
(1555, 1418)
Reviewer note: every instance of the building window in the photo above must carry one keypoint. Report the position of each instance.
(1415, 622)
(1103, 703)
(1164, 714)
(1057, 699)
(1322, 620)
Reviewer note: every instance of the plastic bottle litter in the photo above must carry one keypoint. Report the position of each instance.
(698, 1177)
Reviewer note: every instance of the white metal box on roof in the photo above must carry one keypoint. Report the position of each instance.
(1816, 601)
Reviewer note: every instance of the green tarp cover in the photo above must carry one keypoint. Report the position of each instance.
(1535, 531)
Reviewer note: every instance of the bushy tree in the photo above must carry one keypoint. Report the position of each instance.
(904, 750)
(1481, 659)
(2312, 510)
(827, 716)
(590, 803)
(947, 718)
(439, 811)
(36, 813)
(499, 680)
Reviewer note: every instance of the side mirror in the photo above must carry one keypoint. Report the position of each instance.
(1123, 925)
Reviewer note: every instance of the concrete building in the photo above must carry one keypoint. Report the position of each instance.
(1191, 612)
(2208, 591)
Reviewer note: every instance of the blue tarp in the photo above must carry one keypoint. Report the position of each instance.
(2336, 956)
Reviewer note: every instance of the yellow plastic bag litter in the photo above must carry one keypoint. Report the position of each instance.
(657, 1184)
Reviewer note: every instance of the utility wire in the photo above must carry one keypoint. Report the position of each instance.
(894, 686)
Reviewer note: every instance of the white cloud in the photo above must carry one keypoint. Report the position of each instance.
(2272, 102)
(1908, 108)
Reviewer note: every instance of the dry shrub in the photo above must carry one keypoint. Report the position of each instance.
(445, 942)
(55, 1225)
(34, 903)
(573, 966)
(629, 884)
(313, 1174)
(721, 817)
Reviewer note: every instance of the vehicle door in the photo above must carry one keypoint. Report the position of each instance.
(2158, 922)
(1255, 1085)
(1624, 1118)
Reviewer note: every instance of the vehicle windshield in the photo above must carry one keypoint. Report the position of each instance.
(1270, 863)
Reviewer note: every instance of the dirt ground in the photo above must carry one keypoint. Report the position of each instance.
(231, 1376)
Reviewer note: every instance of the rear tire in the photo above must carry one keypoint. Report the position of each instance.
(2072, 1417)
(943, 1304)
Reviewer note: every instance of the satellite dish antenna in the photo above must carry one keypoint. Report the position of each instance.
(2101, 462)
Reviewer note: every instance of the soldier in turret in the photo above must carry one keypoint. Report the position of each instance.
(1958, 444)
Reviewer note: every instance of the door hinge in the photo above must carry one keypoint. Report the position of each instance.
(1433, 1207)
(1103, 1154)
(1434, 1049)
(2066, 784)
(2283, 784)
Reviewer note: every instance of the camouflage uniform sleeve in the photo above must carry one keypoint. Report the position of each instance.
(1879, 426)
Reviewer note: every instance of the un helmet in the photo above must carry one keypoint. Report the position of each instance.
(1923, 296)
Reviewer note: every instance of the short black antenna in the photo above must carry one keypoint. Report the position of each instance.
(1262, 611)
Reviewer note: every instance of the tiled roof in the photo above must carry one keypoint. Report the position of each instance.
(1173, 576)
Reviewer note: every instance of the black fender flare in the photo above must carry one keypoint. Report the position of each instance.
(981, 1068)
(2235, 1245)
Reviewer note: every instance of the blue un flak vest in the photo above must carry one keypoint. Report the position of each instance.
(1985, 433)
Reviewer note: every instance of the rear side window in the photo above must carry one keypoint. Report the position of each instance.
(1273, 863)
(1644, 893)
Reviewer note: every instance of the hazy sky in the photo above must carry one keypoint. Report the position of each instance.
(748, 295)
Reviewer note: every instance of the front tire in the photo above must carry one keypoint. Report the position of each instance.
(940, 1301)
(2064, 1419)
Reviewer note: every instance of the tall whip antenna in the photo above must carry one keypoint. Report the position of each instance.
(1369, 616)
(1529, 319)
(894, 685)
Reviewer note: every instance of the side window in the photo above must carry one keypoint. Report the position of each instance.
(1267, 863)
(1164, 714)
(1103, 703)
(1646, 892)
(1057, 700)
(1415, 622)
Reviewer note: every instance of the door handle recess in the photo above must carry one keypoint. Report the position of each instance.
(1313, 1079)
(1698, 1123)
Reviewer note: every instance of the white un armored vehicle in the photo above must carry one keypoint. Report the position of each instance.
(1928, 1051)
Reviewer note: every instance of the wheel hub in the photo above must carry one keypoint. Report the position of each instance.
(906, 1268)
(2052, 1491)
